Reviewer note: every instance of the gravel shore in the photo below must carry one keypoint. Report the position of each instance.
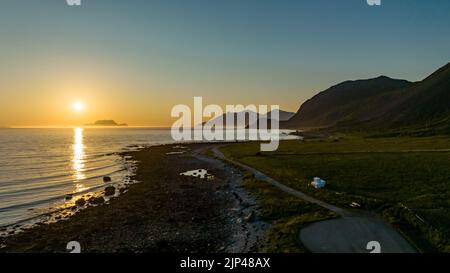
(164, 212)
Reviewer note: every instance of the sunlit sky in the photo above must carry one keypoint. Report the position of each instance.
(133, 60)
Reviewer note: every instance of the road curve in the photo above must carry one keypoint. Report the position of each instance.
(261, 176)
(351, 233)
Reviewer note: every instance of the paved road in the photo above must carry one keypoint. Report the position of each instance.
(351, 234)
(348, 234)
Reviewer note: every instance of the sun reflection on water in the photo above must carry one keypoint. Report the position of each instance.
(78, 159)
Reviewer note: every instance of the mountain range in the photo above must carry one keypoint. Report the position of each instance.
(282, 116)
(380, 104)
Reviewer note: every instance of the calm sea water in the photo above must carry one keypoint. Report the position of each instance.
(39, 167)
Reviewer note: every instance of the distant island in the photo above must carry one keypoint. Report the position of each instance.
(108, 122)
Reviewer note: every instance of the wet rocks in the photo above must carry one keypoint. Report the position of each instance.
(68, 197)
(251, 217)
(80, 202)
(245, 204)
(96, 200)
(110, 191)
(107, 179)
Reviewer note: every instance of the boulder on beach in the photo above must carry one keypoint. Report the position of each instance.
(80, 202)
(107, 179)
(96, 200)
(110, 190)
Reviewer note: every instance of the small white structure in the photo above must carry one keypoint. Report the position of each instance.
(318, 183)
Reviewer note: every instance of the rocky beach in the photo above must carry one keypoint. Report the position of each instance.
(164, 212)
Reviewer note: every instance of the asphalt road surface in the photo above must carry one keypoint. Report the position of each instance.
(350, 234)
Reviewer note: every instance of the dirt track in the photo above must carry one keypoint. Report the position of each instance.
(348, 234)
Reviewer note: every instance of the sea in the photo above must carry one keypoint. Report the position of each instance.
(41, 167)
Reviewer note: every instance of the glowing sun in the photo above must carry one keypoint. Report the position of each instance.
(78, 106)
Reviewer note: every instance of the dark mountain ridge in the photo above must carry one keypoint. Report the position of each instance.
(379, 104)
(345, 101)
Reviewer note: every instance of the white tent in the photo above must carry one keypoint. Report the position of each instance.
(318, 183)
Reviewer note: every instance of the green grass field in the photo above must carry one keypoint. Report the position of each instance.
(286, 213)
(405, 180)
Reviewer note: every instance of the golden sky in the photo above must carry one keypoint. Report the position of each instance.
(134, 62)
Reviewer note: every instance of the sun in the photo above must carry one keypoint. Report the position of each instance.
(78, 106)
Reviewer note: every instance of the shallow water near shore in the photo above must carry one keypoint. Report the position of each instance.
(200, 173)
(39, 167)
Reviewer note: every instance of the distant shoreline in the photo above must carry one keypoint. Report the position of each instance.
(86, 126)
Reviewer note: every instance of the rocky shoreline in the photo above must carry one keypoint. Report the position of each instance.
(164, 212)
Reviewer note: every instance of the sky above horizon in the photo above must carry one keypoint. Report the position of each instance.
(132, 61)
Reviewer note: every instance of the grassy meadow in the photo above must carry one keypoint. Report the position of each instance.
(405, 180)
(286, 213)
